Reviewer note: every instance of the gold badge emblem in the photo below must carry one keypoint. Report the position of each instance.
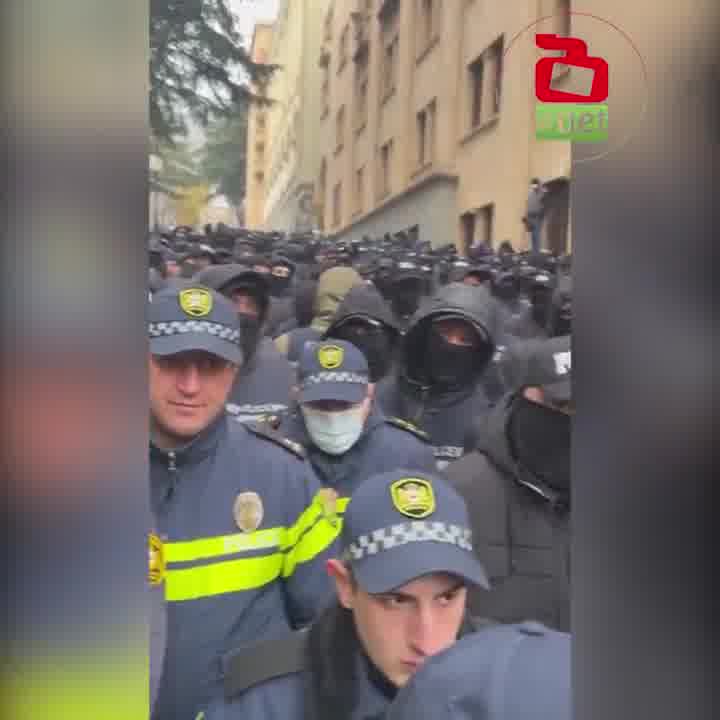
(248, 511)
(331, 356)
(413, 497)
(328, 500)
(196, 302)
(156, 572)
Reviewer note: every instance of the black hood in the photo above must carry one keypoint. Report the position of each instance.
(471, 303)
(364, 301)
(560, 311)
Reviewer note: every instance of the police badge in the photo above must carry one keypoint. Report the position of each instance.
(248, 511)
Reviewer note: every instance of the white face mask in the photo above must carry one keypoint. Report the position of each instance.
(334, 432)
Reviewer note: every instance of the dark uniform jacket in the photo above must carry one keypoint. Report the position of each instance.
(446, 417)
(263, 386)
(386, 444)
(520, 533)
(226, 584)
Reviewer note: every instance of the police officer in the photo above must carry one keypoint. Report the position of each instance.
(517, 487)
(242, 532)
(346, 437)
(265, 380)
(507, 672)
(401, 582)
(438, 382)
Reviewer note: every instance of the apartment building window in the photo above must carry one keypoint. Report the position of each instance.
(426, 135)
(343, 49)
(386, 168)
(390, 44)
(340, 129)
(478, 226)
(361, 94)
(359, 190)
(261, 120)
(476, 71)
(259, 177)
(337, 204)
(428, 24)
(485, 84)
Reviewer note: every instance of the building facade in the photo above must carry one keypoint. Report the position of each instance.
(426, 114)
(292, 145)
(256, 154)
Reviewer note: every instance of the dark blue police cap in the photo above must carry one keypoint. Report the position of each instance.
(332, 370)
(194, 318)
(405, 524)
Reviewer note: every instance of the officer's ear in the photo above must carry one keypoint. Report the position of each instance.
(344, 582)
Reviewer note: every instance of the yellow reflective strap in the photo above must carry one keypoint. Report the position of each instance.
(222, 577)
(318, 538)
(308, 517)
(188, 550)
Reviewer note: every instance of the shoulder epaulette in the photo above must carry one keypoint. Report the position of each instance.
(409, 427)
(268, 660)
(266, 431)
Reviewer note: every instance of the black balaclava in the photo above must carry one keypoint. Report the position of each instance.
(449, 365)
(250, 326)
(280, 285)
(405, 296)
(374, 339)
(540, 297)
(539, 438)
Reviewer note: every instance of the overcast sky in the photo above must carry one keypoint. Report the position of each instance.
(250, 12)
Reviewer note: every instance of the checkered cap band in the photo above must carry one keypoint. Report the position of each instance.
(178, 327)
(394, 536)
(338, 377)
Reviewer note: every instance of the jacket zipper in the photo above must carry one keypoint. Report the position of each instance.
(172, 469)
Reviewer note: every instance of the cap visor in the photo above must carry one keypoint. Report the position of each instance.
(339, 391)
(196, 342)
(558, 392)
(398, 566)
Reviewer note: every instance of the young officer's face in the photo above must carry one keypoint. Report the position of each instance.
(187, 392)
(401, 629)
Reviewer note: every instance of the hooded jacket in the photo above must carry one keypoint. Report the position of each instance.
(446, 416)
(333, 286)
(226, 586)
(383, 446)
(265, 380)
(520, 533)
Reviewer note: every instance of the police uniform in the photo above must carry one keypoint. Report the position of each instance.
(337, 370)
(398, 526)
(505, 672)
(242, 532)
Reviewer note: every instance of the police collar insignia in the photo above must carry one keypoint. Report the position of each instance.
(248, 511)
(413, 497)
(196, 302)
(156, 572)
(331, 356)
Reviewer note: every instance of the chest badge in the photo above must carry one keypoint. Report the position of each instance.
(156, 572)
(328, 500)
(248, 511)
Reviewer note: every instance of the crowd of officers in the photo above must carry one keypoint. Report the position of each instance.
(360, 478)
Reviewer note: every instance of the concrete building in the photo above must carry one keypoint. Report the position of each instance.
(292, 145)
(427, 120)
(256, 154)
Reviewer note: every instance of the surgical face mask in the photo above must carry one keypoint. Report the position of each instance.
(334, 432)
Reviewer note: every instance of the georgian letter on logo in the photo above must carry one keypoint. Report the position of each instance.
(576, 55)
